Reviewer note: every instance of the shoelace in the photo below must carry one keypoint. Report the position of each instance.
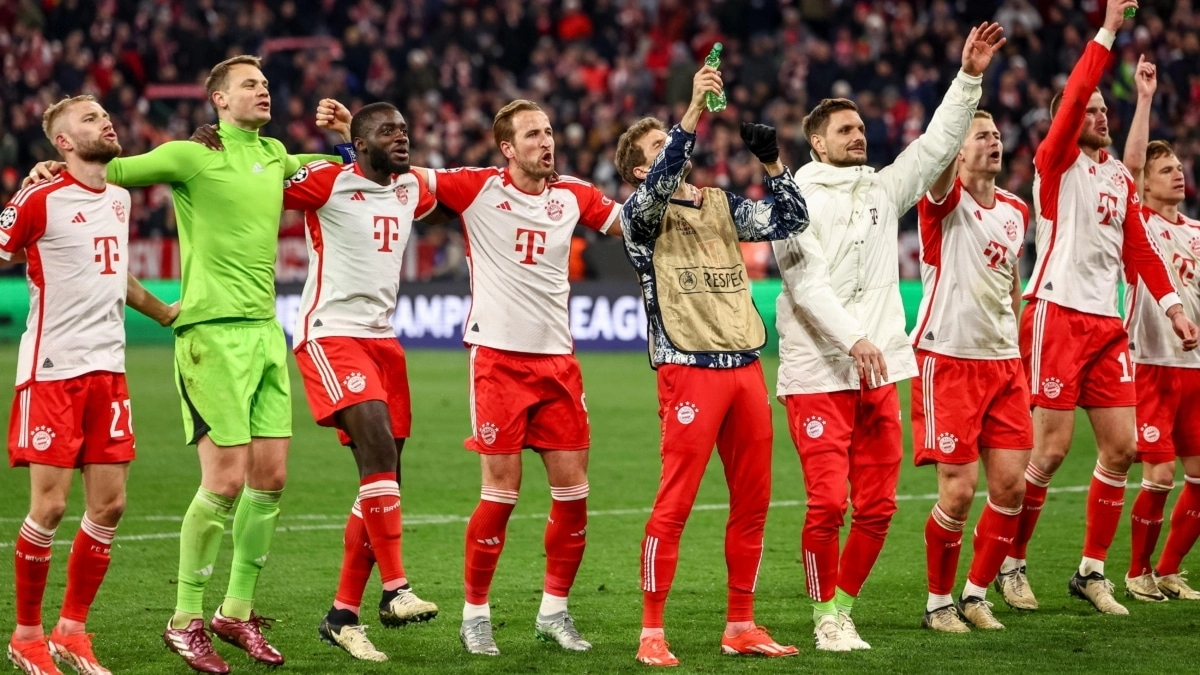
(81, 645)
(659, 643)
(568, 627)
(847, 627)
(197, 642)
(358, 635)
(480, 637)
(829, 630)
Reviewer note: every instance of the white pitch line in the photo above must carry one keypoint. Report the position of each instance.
(435, 519)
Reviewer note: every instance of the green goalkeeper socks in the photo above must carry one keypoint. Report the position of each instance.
(199, 543)
(844, 601)
(253, 527)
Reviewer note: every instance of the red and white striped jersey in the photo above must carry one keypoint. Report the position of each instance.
(1151, 339)
(969, 258)
(356, 231)
(518, 249)
(1088, 212)
(75, 241)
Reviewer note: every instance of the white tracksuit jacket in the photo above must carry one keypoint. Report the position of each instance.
(841, 276)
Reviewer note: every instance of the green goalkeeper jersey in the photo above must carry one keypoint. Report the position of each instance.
(227, 206)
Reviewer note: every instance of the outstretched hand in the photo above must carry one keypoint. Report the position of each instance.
(981, 45)
(761, 140)
(43, 171)
(206, 135)
(1145, 77)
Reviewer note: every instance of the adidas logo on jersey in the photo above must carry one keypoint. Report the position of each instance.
(929, 335)
(504, 206)
(257, 168)
(79, 218)
(47, 363)
(490, 541)
(318, 323)
(358, 196)
(1049, 286)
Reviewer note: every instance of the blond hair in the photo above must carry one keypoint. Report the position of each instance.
(54, 114)
(502, 124)
(218, 77)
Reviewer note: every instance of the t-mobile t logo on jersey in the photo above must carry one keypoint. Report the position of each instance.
(530, 242)
(995, 253)
(387, 230)
(106, 252)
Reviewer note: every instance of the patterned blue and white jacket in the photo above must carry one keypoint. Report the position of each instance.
(642, 217)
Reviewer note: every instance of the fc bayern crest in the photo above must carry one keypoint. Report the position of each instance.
(1194, 245)
(1010, 229)
(554, 209)
(119, 209)
(402, 194)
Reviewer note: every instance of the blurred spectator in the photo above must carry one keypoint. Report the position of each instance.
(595, 66)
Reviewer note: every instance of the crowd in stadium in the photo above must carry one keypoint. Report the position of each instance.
(596, 67)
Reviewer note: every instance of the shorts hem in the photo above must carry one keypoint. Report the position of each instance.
(1130, 404)
(1054, 406)
(929, 460)
(1007, 447)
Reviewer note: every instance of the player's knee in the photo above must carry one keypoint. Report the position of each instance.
(826, 513)
(1159, 474)
(1118, 456)
(874, 519)
(107, 513)
(955, 499)
(48, 510)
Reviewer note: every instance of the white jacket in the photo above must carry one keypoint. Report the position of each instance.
(841, 276)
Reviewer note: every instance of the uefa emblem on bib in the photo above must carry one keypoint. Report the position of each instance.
(42, 438)
(947, 442)
(355, 382)
(1010, 230)
(487, 433)
(686, 412)
(402, 194)
(1051, 387)
(814, 427)
(554, 209)
(1150, 433)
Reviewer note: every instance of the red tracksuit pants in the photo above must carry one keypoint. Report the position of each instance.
(700, 408)
(850, 451)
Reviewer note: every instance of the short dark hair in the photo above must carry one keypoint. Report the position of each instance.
(363, 120)
(1157, 149)
(502, 125)
(218, 77)
(1056, 102)
(815, 122)
(629, 153)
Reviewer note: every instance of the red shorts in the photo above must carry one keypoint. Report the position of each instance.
(526, 401)
(1075, 359)
(71, 423)
(339, 372)
(961, 405)
(1168, 413)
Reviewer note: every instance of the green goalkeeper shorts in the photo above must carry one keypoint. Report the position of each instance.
(233, 379)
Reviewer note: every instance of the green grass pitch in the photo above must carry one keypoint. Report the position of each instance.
(441, 487)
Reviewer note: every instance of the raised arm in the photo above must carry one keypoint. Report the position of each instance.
(643, 212)
(925, 159)
(767, 221)
(171, 162)
(1139, 128)
(145, 302)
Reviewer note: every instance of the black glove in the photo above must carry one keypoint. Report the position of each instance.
(760, 138)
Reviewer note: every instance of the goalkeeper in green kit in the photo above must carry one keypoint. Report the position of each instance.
(230, 351)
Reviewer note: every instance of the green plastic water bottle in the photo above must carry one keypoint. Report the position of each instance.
(714, 102)
(1130, 12)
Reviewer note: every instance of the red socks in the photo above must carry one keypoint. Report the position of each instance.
(994, 534)
(357, 560)
(32, 564)
(1146, 521)
(485, 541)
(1185, 527)
(379, 498)
(1106, 499)
(943, 543)
(566, 537)
(86, 568)
(1036, 484)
